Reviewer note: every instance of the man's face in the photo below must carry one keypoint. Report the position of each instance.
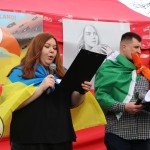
(129, 47)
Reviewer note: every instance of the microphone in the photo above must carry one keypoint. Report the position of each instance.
(140, 97)
(52, 68)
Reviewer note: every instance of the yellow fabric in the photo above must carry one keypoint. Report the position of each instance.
(88, 114)
(13, 94)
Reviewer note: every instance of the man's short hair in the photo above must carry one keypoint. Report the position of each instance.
(130, 35)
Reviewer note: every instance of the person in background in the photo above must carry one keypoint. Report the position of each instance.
(90, 40)
(42, 121)
(116, 85)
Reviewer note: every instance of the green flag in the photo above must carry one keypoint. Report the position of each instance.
(115, 81)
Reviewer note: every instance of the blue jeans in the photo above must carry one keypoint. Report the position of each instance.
(114, 142)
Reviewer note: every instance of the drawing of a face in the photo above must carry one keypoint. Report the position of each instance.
(90, 37)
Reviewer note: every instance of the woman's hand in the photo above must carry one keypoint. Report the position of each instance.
(86, 86)
(77, 98)
(48, 81)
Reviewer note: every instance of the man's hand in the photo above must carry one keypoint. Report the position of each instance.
(132, 108)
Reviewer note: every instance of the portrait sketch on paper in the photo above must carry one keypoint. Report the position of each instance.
(99, 37)
(90, 40)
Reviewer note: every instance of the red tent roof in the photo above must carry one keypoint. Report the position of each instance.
(106, 10)
(96, 10)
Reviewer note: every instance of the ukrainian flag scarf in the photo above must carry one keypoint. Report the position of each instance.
(17, 89)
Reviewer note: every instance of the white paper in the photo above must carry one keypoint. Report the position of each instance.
(73, 31)
(147, 96)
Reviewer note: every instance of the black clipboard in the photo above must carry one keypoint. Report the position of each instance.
(83, 68)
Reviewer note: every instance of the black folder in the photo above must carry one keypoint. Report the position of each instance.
(83, 68)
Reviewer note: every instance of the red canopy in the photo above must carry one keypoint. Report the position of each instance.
(107, 10)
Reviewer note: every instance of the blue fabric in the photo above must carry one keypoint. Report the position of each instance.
(40, 74)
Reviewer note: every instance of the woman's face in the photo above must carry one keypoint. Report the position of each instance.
(49, 52)
(90, 37)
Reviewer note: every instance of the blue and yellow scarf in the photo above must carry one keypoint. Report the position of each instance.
(17, 89)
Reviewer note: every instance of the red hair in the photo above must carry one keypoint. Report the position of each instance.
(32, 57)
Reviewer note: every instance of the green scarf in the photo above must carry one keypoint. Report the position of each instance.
(115, 81)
